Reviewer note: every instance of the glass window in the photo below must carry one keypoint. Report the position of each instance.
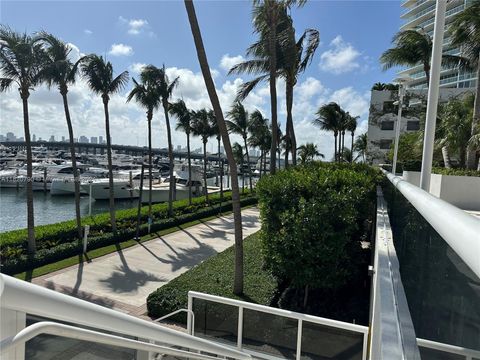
(387, 125)
(413, 125)
(385, 144)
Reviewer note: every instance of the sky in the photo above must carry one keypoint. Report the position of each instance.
(130, 34)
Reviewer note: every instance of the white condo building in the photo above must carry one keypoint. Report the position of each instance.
(421, 14)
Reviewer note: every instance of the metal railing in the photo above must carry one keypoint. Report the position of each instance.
(468, 354)
(21, 298)
(301, 319)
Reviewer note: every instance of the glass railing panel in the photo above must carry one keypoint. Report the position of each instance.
(442, 292)
(215, 320)
(324, 342)
(432, 354)
(271, 334)
(50, 347)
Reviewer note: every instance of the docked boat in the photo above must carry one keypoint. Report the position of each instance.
(100, 189)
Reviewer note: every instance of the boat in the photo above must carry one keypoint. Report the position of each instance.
(100, 189)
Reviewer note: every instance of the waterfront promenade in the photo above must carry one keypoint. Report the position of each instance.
(123, 279)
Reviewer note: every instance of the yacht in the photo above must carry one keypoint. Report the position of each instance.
(100, 189)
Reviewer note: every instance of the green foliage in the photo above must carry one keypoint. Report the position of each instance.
(409, 147)
(313, 218)
(455, 172)
(215, 276)
(58, 241)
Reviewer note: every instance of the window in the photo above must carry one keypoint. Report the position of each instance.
(387, 125)
(413, 125)
(388, 106)
(385, 144)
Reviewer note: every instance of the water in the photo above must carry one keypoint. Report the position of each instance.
(47, 209)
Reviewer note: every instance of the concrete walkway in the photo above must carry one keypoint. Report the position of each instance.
(123, 280)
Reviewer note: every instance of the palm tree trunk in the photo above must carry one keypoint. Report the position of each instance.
(110, 169)
(351, 147)
(261, 163)
(76, 176)
(290, 129)
(220, 164)
(170, 157)
(426, 69)
(205, 188)
(189, 170)
(335, 152)
(471, 153)
(265, 163)
(207, 76)
(462, 154)
(149, 121)
(279, 157)
(30, 219)
(272, 40)
(248, 163)
(446, 158)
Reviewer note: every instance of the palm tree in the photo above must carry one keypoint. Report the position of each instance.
(352, 126)
(212, 93)
(329, 118)
(59, 70)
(147, 94)
(259, 135)
(21, 63)
(166, 89)
(308, 152)
(360, 146)
(240, 124)
(202, 126)
(216, 133)
(184, 123)
(99, 76)
(465, 32)
(239, 156)
(411, 47)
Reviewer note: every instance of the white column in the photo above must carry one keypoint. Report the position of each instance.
(397, 127)
(12, 322)
(433, 91)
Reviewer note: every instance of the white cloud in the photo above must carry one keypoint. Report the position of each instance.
(227, 61)
(87, 32)
(136, 68)
(135, 26)
(342, 57)
(352, 101)
(121, 50)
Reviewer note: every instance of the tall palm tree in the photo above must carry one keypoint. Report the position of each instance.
(147, 94)
(329, 117)
(239, 157)
(60, 71)
(216, 133)
(465, 32)
(352, 126)
(308, 152)
(184, 123)
(21, 63)
(99, 76)
(212, 93)
(166, 88)
(360, 146)
(259, 132)
(240, 124)
(202, 126)
(411, 48)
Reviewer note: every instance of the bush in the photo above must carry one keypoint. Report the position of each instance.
(215, 276)
(313, 219)
(14, 258)
(455, 172)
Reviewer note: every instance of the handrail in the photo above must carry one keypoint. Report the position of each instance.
(52, 328)
(458, 350)
(460, 230)
(280, 312)
(33, 299)
(189, 313)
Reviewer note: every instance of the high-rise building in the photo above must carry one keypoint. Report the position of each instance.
(63, 138)
(100, 139)
(52, 138)
(93, 140)
(2, 138)
(11, 136)
(421, 14)
(83, 139)
(34, 138)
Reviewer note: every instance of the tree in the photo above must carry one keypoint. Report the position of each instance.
(329, 118)
(99, 76)
(352, 126)
(21, 63)
(411, 47)
(465, 32)
(212, 93)
(147, 94)
(59, 70)
(202, 126)
(166, 89)
(216, 133)
(382, 86)
(360, 146)
(239, 156)
(240, 124)
(184, 123)
(308, 152)
(260, 135)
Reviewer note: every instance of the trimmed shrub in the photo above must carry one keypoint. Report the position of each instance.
(455, 172)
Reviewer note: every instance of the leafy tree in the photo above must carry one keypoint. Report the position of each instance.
(60, 71)
(360, 146)
(308, 152)
(99, 76)
(147, 94)
(260, 136)
(352, 126)
(329, 118)
(21, 63)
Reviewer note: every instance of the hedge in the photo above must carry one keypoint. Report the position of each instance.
(58, 241)
(456, 172)
(215, 276)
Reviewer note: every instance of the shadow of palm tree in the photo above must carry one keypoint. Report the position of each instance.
(188, 258)
(123, 279)
(80, 294)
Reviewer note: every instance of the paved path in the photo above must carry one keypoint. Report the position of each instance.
(123, 280)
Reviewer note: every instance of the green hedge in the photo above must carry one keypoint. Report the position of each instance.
(455, 172)
(58, 241)
(215, 276)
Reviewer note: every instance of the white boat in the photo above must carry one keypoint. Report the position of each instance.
(65, 185)
(100, 189)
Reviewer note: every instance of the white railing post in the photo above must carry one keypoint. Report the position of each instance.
(12, 323)
(299, 339)
(190, 328)
(240, 327)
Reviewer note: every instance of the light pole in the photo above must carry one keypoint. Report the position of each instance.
(433, 91)
(401, 93)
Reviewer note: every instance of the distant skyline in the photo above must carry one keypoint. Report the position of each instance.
(130, 34)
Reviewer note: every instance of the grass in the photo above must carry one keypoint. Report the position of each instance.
(92, 254)
(215, 276)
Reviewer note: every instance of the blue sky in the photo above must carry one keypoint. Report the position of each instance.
(353, 35)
